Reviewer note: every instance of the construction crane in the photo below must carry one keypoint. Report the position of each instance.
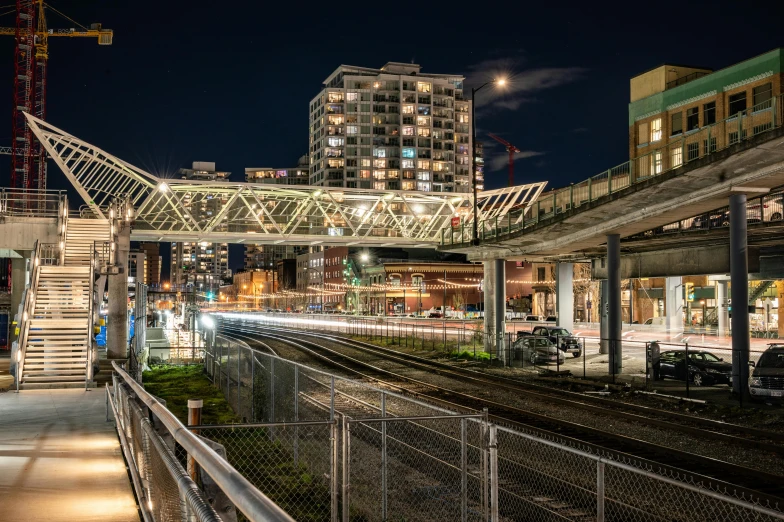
(512, 150)
(28, 164)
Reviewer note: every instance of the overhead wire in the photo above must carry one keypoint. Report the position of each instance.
(66, 17)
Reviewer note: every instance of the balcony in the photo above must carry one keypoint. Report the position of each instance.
(685, 79)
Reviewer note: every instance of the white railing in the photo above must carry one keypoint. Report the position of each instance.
(27, 312)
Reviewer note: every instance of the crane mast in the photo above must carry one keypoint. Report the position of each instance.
(31, 54)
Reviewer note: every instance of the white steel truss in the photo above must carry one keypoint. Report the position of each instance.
(221, 211)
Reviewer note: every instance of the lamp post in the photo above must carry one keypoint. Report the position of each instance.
(475, 240)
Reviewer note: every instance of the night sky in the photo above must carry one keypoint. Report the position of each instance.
(230, 82)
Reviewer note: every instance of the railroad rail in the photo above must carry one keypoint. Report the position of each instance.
(755, 483)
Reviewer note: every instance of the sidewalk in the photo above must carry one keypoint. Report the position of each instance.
(60, 460)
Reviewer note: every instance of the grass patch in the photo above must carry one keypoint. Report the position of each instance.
(465, 354)
(177, 384)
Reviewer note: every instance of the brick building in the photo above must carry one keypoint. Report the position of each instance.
(678, 113)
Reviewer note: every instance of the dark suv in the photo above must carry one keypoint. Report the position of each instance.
(704, 369)
(561, 337)
(767, 379)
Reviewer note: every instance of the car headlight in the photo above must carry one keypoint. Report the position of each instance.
(755, 382)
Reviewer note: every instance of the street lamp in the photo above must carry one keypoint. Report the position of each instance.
(501, 82)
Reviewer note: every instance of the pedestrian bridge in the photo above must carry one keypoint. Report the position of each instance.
(194, 210)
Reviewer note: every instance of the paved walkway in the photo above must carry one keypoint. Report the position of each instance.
(60, 460)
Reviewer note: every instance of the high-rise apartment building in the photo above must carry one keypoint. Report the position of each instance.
(203, 264)
(392, 128)
(152, 252)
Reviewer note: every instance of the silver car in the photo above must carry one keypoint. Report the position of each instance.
(536, 350)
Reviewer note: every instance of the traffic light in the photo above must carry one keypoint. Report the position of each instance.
(689, 292)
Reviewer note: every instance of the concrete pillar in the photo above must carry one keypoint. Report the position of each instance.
(780, 295)
(564, 300)
(672, 304)
(604, 346)
(739, 277)
(614, 312)
(117, 320)
(495, 307)
(723, 311)
(20, 277)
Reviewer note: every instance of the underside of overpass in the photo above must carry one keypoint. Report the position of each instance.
(752, 167)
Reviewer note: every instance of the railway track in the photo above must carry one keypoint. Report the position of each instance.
(710, 472)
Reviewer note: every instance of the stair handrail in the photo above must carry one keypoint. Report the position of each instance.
(94, 268)
(27, 313)
(62, 214)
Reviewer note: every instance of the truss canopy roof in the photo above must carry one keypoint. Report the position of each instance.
(221, 211)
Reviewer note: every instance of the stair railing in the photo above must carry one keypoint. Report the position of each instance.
(27, 312)
(62, 215)
(94, 269)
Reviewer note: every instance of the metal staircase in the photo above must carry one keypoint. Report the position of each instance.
(55, 342)
(755, 292)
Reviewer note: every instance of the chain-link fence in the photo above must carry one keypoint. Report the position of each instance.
(329, 448)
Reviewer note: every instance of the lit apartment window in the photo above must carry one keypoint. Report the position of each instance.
(423, 164)
(424, 110)
(423, 131)
(408, 185)
(423, 121)
(380, 163)
(408, 109)
(408, 153)
(379, 185)
(440, 167)
(656, 132)
(335, 120)
(393, 174)
(462, 118)
(423, 176)
(352, 96)
(364, 174)
(676, 157)
(423, 87)
(408, 131)
(423, 186)
(656, 162)
(407, 164)
(352, 129)
(364, 162)
(335, 142)
(380, 153)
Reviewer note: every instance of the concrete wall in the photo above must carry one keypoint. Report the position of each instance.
(20, 233)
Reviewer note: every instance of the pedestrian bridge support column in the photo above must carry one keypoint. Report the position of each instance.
(614, 315)
(739, 278)
(673, 304)
(495, 307)
(564, 301)
(117, 325)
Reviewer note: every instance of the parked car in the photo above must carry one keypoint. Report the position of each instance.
(551, 319)
(561, 337)
(536, 350)
(532, 318)
(704, 368)
(435, 315)
(767, 379)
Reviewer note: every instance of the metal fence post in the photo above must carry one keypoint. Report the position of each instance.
(493, 450)
(346, 463)
(239, 382)
(463, 470)
(483, 445)
(332, 398)
(296, 416)
(384, 457)
(333, 472)
(252, 387)
(599, 491)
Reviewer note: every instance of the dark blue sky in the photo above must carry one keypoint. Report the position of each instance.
(230, 82)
